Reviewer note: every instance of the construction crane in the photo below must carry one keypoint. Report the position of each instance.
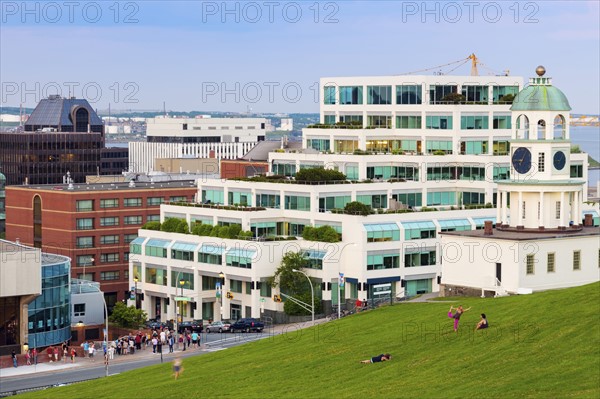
(475, 64)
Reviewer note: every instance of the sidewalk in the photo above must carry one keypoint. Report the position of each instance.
(80, 362)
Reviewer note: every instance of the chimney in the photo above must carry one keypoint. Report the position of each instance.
(487, 228)
(588, 221)
(211, 154)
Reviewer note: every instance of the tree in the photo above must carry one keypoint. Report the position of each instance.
(324, 234)
(154, 225)
(293, 283)
(128, 317)
(507, 99)
(171, 225)
(357, 208)
(454, 98)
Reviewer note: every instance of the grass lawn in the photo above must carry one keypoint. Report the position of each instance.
(545, 345)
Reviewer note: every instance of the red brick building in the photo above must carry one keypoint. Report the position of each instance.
(92, 224)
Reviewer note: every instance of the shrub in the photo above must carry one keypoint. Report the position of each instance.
(152, 226)
(319, 174)
(322, 234)
(454, 98)
(175, 225)
(357, 208)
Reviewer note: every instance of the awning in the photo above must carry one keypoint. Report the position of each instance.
(314, 254)
(184, 246)
(383, 280)
(418, 225)
(138, 241)
(382, 227)
(212, 249)
(241, 252)
(155, 242)
(424, 276)
(351, 280)
(480, 221)
(453, 223)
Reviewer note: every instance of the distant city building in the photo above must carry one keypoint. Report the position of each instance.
(92, 224)
(114, 160)
(61, 135)
(221, 138)
(287, 124)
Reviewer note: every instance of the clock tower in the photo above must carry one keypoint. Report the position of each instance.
(542, 195)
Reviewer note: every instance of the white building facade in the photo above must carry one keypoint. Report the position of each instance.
(425, 153)
(221, 138)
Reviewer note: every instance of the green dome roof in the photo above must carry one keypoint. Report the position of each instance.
(540, 98)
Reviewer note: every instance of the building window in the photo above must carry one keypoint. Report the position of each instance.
(557, 210)
(109, 221)
(132, 202)
(156, 276)
(442, 122)
(380, 95)
(132, 220)
(265, 289)
(179, 198)
(79, 309)
(382, 232)
(187, 278)
(109, 239)
(576, 260)
(551, 258)
(85, 224)
(109, 203)
(523, 208)
(541, 162)
(351, 95)
(530, 264)
(151, 201)
(127, 238)
(85, 242)
(383, 261)
(576, 171)
(474, 122)
(500, 147)
(84, 205)
(109, 258)
(423, 258)
(408, 122)
(85, 260)
(329, 95)
(297, 203)
(379, 121)
(501, 122)
(153, 218)
(235, 286)
(126, 259)
(210, 283)
(109, 275)
(408, 94)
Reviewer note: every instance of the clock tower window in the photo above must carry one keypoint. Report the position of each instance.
(542, 162)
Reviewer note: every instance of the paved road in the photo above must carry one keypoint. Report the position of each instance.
(30, 377)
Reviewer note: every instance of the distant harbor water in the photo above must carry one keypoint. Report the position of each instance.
(586, 137)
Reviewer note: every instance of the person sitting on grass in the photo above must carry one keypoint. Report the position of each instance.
(377, 359)
(483, 323)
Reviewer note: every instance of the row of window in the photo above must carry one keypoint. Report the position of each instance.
(551, 262)
(88, 242)
(413, 94)
(109, 221)
(88, 205)
(444, 122)
(89, 260)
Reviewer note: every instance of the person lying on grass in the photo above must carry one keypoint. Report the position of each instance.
(377, 359)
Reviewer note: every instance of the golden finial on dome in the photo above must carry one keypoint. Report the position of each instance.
(540, 70)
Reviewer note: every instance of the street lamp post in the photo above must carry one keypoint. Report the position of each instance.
(312, 293)
(91, 261)
(222, 277)
(135, 280)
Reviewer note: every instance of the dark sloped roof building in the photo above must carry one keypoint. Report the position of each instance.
(61, 135)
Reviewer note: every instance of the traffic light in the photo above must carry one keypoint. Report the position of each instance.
(229, 295)
(276, 298)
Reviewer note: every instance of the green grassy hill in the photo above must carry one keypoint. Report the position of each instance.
(545, 345)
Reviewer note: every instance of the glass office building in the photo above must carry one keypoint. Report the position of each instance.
(50, 313)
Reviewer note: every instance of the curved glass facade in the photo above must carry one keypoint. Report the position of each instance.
(50, 313)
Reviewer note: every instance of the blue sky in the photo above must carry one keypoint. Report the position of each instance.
(268, 55)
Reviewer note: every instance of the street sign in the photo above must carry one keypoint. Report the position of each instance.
(183, 298)
(218, 287)
(262, 299)
(382, 289)
(342, 280)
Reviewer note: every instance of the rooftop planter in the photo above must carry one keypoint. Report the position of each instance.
(217, 206)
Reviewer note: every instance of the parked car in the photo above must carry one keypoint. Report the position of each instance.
(219, 326)
(153, 324)
(247, 325)
(191, 326)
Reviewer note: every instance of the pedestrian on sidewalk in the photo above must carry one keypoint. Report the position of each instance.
(154, 343)
(86, 348)
(73, 354)
(55, 352)
(34, 354)
(171, 343)
(14, 358)
(28, 357)
(49, 352)
(91, 351)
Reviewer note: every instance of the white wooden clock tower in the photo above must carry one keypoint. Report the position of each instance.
(543, 197)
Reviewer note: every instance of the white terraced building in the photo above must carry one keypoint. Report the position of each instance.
(221, 138)
(415, 152)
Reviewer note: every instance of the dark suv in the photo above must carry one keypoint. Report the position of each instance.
(247, 325)
(191, 326)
